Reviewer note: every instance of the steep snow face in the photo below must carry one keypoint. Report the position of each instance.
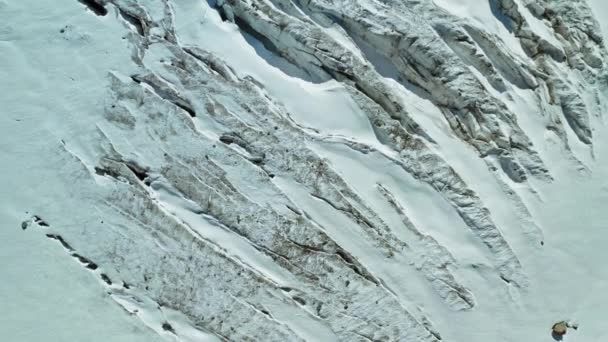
(278, 170)
(600, 10)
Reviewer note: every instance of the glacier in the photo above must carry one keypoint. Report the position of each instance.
(303, 170)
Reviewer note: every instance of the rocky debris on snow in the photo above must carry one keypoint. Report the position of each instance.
(560, 329)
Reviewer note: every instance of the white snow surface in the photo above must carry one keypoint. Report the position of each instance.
(56, 62)
(600, 10)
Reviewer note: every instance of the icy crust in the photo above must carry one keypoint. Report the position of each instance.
(223, 209)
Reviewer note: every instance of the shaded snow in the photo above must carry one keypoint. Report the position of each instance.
(483, 15)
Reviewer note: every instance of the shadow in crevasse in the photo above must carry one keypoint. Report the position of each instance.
(504, 20)
(266, 49)
(386, 68)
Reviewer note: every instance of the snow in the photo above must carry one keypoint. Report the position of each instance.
(565, 284)
(46, 296)
(48, 94)
(55, 89)
(324, 106)
(540, 27)
(221, 236)
(340, 228)
(481, 14)
(600, 11)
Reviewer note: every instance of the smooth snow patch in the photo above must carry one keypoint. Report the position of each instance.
(600, 11)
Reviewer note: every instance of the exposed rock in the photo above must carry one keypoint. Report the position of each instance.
(560, 328)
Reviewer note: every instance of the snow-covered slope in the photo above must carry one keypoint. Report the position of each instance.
(303, 170)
